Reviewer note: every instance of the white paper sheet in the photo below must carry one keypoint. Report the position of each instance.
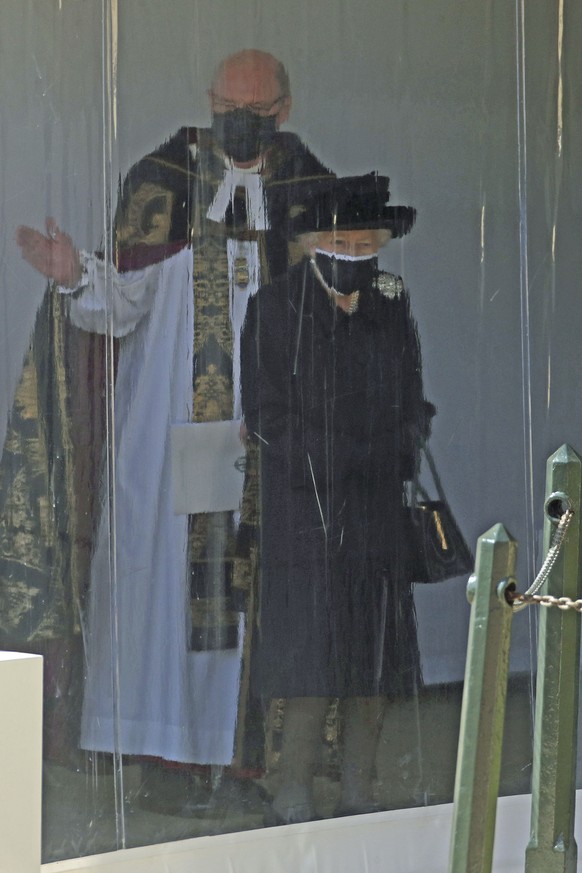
(207, 466)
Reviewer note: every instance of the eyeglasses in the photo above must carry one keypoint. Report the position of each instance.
(263, 109)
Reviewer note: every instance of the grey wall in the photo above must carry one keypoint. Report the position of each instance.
(421, 90)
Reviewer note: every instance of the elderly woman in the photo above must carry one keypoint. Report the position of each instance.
(332, 393)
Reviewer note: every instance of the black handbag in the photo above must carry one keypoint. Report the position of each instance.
(436, 549)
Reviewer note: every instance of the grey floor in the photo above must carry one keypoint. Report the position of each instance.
(88, 810)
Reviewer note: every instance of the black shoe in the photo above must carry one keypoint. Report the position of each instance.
(234, 796)
(171, 791)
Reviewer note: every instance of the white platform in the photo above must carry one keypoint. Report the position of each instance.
(401, 841)
(404, 841)
(20, 762)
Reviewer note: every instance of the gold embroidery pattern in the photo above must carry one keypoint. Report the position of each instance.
(37, 504)
(213, 396)
(211, 536)
(211, 303)
(147, 218)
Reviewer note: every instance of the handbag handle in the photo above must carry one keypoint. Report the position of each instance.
(417, 488)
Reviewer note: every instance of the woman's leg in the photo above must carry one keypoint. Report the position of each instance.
(362, 724)
(301, 740)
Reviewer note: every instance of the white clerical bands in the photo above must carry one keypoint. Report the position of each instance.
(251, 181)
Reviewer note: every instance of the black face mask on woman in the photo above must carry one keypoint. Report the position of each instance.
(347, 273)
(243, 135)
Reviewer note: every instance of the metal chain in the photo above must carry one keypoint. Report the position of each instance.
(546, 600)
(520, 601)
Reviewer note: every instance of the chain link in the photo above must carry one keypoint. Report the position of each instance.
(546, 600)
(520, 601)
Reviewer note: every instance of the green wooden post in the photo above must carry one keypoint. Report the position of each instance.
(483, 709)
(552, 847)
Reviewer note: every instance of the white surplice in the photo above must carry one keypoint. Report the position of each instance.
(145, 692)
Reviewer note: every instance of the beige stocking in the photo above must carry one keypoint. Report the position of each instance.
(362, 724)
(302, 728)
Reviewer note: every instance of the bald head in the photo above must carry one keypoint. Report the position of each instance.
(252, 75)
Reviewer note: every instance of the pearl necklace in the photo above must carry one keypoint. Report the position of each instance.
(332, 293)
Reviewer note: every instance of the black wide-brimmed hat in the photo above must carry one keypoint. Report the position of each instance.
(350, 203)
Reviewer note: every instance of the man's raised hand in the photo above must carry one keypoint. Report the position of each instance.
(53, 255)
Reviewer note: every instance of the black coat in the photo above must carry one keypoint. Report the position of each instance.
(336, 404)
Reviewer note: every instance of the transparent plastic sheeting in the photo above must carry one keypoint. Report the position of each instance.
(211, 441)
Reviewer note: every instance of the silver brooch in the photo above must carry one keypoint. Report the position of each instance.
(389, 285)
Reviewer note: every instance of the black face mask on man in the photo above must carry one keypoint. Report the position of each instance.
(347, 273)
(243, 135)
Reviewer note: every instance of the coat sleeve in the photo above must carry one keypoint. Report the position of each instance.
(416, 411)
(265, 368)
